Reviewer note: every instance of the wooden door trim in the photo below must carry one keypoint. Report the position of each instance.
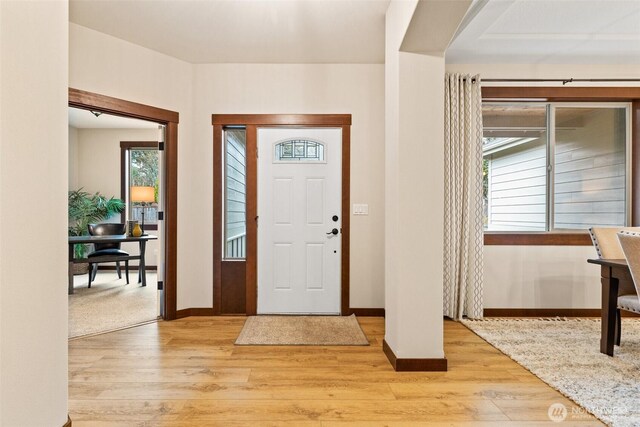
(346, 218)
(251, 273)
(118, 107)
(251, 123)
(218, 174)
(281, 119)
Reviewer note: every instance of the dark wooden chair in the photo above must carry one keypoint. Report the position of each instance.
(111, 249)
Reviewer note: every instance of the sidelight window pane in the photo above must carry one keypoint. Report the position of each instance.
(235, 184)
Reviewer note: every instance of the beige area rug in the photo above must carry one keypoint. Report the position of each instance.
(565, 353)
(302, 330)
(111, 304)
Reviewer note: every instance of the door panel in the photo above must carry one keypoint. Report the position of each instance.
(282, 265)
(282, 200)
(315, 265)
(315, 201)
(299, 192)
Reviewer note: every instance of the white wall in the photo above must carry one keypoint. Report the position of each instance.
(289, 88)
(540, 277)
(103, 64)
(73, 158)
(523, 276)
(98, 152)
(414, 105)
(97, 168)
(33, 167)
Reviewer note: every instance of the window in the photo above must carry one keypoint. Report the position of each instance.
(299, 151)
(140, 181)
(235, 197)
(555, 166)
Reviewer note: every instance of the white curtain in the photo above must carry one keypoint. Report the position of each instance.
(463, 234)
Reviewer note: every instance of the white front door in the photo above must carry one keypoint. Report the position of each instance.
(299, 207)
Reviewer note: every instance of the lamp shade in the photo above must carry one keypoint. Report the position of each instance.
(143, 194)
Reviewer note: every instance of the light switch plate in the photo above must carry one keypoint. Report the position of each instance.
(360, 209)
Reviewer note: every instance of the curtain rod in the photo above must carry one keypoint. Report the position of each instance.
(563, 81)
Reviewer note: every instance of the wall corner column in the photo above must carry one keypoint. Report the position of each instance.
(34, 74)
(417, 34)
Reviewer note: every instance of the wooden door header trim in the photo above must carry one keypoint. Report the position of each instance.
(545, 93)
(282, 119)
(119, 107)
(138, 144)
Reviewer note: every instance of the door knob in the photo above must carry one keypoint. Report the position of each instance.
(334, 231)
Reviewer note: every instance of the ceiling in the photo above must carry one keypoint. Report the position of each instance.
(85, 119)
(550, 31)
(244, 31)
(352, 31)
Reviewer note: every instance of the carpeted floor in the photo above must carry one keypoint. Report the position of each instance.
(110, 303)
(302, 330)
(565, 354)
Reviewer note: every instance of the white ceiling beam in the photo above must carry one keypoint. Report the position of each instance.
(433, 25)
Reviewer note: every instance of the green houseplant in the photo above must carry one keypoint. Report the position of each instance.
(86, 208)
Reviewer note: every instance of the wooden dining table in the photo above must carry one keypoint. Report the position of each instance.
(613, 274)
(121, 238)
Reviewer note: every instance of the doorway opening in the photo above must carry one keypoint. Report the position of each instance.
(105, 197)
(126, 153)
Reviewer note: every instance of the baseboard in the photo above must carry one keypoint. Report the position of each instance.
(488, 312)
(413, 365)
(205, 311)
(131, 267)
(194, 311)
(367, 312)
(68, 423)
(202, 311)
(185, 312)
(548, 312)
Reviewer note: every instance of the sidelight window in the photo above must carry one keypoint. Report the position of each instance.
(235, 189)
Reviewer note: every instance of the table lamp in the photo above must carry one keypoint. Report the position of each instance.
(142, 195)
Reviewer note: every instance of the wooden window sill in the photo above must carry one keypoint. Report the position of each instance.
(559, 238)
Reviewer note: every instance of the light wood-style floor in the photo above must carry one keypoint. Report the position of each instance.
(189, 373)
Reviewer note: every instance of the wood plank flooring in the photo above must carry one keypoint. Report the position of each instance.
(189, 373)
